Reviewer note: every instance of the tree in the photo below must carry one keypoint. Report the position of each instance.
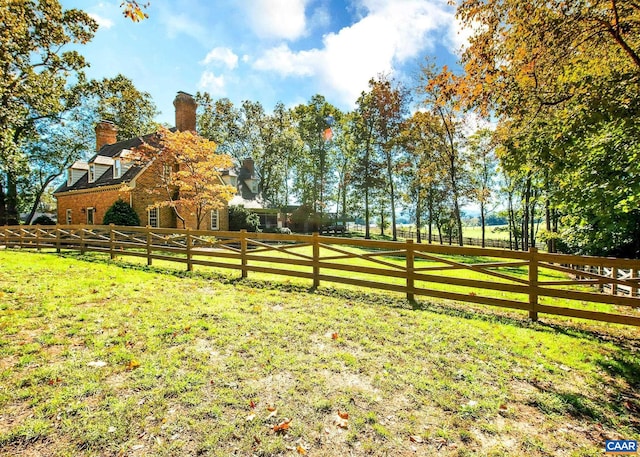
(562, 79)
(121, 213)
(35, 74)
(189, 170)
(367, 167)
(483, 167)
(389, 106)
(442, 93)
(423, 170)
(314, 167)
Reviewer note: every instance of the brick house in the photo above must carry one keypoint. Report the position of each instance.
(93, 186)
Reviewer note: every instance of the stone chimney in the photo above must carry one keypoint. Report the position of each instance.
(106, 133)
(185, 112)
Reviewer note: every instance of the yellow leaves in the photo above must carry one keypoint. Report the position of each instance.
(133, 10)
(133, 364)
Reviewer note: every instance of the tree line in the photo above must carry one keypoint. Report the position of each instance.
(539, 124)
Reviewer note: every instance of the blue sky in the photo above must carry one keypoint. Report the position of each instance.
(268, 50)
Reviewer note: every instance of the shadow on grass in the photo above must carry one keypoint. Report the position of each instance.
(461, 310)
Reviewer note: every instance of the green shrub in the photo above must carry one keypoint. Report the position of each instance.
(121, 213)
(240, 218)
(43, 220)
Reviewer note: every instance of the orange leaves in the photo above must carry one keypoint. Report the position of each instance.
(341, 419)
(334, 336)
(133, 10)
(282, 426)
(133, 364)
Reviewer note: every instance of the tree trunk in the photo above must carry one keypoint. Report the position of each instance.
(12, 199)
(525, 214)
(3, 208)
(482, 218)
(418, 218)
(367, 235)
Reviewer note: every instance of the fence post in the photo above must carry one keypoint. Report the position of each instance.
(316, 260)
(243, 252)
(410, 266)
(614, 285)
(82, 248)
(112, 239)
(58, 237)
(634, 276)
(533, 284)
(189, 255)
(148, 232)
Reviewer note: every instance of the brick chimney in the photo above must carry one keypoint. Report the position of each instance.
(185, 112)
(249, 165)
(106, 133)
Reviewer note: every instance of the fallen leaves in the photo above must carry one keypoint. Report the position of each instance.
(133, 364)
(341, 420)
(282, 426)
(416, 439)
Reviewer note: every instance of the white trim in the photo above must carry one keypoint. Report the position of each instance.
(92, 172)
(91, 211)
(150, 222)
(214, 220)
(117, 168)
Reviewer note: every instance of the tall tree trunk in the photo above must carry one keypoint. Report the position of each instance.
(418, 218)
(430, 221)
(392, 194)
(525, 214)
(12, 199)
(482, 219)
(3, 208)
(367, 235)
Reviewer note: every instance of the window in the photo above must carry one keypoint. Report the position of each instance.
(215, 218)
(166, 171)
(92, 172)
(90, 215)
(152, 214)
(69, 217)
(117, 168)
(69, 177)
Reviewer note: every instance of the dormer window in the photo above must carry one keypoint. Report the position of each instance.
(92, 172)
(117, 168)
(69, 177)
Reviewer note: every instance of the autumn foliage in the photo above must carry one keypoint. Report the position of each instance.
(190, 174)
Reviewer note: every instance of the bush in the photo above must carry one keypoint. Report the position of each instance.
(43, 220)
(241, 218)
(121, 213)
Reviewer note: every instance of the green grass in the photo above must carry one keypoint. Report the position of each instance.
(187, 355)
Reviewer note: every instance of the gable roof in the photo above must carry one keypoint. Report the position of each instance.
(109, 152)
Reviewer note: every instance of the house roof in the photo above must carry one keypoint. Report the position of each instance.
(105, 157)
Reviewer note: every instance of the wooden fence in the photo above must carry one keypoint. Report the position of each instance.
(532, 281)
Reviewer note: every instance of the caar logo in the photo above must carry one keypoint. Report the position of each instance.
(621, 447)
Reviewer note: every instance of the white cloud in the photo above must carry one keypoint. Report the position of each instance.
(279, 19)
(103, 22)
(288, 63)
(211, 83)
(221, 55)
(389, 33)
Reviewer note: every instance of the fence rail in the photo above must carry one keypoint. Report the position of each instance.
(535, 282)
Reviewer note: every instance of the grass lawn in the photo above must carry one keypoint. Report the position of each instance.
(101, 358)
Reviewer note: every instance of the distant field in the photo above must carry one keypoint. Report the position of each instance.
(495, 232)
(102, 357)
